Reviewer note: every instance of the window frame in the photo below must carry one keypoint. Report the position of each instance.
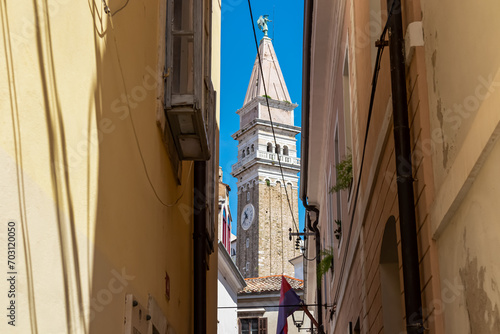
(261, 323)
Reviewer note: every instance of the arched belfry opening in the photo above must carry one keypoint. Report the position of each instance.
(392, 307)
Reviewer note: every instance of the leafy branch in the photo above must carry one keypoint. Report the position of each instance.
(325, 264)
(344, 174)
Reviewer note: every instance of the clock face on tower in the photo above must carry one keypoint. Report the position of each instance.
(247, 216)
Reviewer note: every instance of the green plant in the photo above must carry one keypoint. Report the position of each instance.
(325, 264)
(338, 231)
(344, 174)
(267, 96)
(268, 183)
(286, 101)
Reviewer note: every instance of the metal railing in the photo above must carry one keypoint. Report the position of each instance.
(269, 156)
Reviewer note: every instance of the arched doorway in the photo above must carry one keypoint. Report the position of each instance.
(392, 310)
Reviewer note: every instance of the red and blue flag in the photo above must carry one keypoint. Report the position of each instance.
(289, 302)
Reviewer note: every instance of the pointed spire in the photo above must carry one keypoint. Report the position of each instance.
(275, 83)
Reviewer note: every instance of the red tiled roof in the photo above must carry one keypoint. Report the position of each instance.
(270, 284)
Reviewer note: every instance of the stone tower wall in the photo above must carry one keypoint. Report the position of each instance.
(275, 248)
(247, 251)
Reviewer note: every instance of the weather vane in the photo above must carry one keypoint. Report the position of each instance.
(262, 23)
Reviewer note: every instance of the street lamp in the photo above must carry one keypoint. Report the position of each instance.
(300, 319)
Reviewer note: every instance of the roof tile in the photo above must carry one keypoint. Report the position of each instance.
(270, 284)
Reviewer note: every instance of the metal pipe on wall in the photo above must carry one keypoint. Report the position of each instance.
(406, 201)
(314, 227)
(199, 249)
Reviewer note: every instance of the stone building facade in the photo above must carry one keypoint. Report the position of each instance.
(267, 195)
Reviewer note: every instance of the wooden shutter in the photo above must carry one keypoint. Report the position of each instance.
(262, 325)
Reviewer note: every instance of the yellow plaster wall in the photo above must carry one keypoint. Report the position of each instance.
(84, 172)
(212, 274)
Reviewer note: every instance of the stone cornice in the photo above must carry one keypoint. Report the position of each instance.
(261, 124)
(284, 105)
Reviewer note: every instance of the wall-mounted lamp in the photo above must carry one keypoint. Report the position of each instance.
(298, 318)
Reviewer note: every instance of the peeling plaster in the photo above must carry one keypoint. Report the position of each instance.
(434, 54)
(445, 144)
(484, 317)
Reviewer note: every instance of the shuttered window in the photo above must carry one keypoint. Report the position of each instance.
(253, 325)
(262, 325)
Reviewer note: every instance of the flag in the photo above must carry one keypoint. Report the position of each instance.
(287, 297)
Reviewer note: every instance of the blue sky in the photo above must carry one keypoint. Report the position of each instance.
(238, 56)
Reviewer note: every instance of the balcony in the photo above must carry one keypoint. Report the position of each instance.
(267, 158)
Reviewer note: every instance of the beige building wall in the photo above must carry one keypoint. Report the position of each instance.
(453, 77)
(85, 175)
(265, 305)
(342, 63)
(467, 257)
(464, 97)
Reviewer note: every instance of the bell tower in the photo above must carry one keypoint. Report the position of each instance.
(264, 216)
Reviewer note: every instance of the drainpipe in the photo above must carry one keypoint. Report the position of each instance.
(306, 86)
(409, 246)
(314, 227)
(199, 249)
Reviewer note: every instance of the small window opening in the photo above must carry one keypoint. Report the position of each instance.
(285, 150)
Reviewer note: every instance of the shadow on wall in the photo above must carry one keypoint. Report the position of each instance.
(59, 173)
(123, 222)
(140, 233)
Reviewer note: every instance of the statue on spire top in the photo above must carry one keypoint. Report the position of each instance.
(262, 23)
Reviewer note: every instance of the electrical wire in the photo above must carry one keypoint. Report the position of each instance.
(370, 110)
(256, 306)
(107, 10)
(270, 117)
(119, 9)
(305, 257)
